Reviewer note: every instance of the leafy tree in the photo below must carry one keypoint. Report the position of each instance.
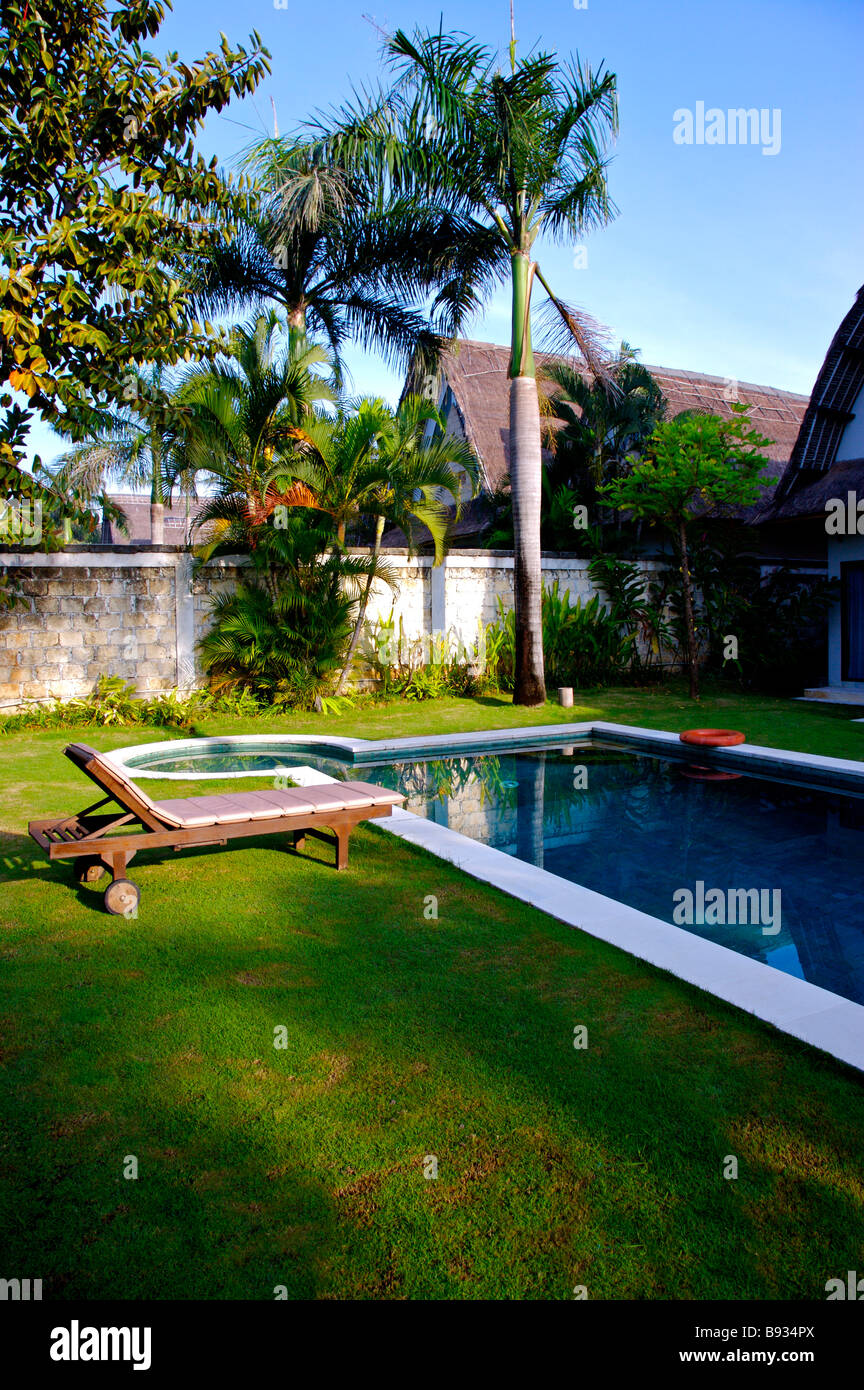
(511, 156)
(694, 464)
(100, 193)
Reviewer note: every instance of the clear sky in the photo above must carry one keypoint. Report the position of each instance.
(722, 259)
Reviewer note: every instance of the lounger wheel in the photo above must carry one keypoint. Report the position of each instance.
(121, 897)
(89, 870)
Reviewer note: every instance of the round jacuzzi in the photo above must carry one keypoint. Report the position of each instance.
(246, 755)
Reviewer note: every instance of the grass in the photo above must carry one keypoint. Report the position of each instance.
(808, 727)
(404, 1038)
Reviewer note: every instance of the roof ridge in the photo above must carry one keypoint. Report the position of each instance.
(685, 372)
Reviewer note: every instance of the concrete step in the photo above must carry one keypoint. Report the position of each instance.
(836, 694)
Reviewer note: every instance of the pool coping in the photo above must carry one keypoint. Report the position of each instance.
(803, 1010)
(750, 757)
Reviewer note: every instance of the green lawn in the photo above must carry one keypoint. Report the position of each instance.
(809, 727)
(303, 1166)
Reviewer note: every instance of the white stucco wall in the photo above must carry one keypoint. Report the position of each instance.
(852, 443)
(139, 614)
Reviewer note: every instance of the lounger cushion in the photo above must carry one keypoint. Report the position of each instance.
(294, 802)
(232, 809)
(380, 796)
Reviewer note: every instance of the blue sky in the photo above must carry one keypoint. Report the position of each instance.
(722, 259)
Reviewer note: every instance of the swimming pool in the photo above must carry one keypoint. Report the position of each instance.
(760, 856)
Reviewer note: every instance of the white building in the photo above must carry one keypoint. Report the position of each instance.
(824, 484)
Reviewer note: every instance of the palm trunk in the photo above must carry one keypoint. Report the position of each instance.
(525, 465)
(687, 590)
(157, 523)
(361, 616)
(525, 491)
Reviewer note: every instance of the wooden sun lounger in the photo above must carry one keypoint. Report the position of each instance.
(110, 841)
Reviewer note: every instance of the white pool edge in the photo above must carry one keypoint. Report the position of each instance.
(796, 1007)
(805, 1011)
(749, 756)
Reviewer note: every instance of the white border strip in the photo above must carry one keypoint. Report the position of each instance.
(750, 757)
(804, 1010)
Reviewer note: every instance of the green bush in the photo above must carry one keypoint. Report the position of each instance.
(583, 644)
(418, 669)
(114, 702)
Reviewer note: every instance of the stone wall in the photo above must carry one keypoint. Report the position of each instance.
(88, 620)
(139, 612)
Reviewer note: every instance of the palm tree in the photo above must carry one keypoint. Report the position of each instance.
(138, 445)
(251, 417)
(415, 473)
(508, 155)
(600, 429)
(380, 463)
(243, 413)
(340, 261)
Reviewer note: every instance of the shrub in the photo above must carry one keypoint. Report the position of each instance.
(114, 702)
(420, 669)
(285, 647)
(583, 644)
(639, 608)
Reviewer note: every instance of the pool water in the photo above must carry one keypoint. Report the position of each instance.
(641, 829)
(228, 758)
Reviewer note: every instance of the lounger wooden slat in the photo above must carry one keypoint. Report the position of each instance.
(97, 842)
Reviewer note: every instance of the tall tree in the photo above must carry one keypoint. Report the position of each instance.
(100, 193)
(511, 155)
(694, 464)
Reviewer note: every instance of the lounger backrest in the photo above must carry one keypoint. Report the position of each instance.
(117, 783)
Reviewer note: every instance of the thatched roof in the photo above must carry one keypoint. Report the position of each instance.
(477, 376)
(136, 505)
(809, 479)
(809, 500)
